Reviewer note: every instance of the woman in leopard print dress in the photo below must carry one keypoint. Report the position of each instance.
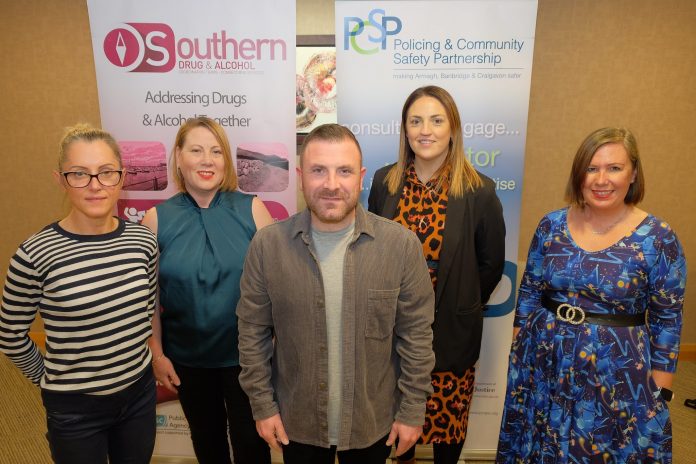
(434, 191)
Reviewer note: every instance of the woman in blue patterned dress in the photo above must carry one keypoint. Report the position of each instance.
(598, 321)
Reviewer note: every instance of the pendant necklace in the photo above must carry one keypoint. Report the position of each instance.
(606, 229)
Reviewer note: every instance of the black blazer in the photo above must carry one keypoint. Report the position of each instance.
(472, 259)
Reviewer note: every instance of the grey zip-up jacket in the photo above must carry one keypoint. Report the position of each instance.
(388, 309)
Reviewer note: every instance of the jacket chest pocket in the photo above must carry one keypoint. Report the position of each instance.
(381, 313)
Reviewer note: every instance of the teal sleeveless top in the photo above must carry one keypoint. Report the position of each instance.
(202, 253)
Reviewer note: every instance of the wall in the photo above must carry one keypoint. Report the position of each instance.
(624, 63)
(615, 62)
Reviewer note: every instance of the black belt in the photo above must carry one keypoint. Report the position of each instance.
(576, 315)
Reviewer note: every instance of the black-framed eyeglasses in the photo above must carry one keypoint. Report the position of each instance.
(81, 179)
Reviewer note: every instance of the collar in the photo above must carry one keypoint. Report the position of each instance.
(410, 177)
(302, 225)
(214, 202)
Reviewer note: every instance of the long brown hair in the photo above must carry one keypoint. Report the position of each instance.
(456, 169)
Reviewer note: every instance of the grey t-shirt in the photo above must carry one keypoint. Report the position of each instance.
(331, 250)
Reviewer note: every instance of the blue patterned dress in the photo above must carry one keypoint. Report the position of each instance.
(584, 393)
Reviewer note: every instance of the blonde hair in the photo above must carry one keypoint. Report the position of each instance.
(229, 176)
(456, 169)
(583, 158)
(87, 133)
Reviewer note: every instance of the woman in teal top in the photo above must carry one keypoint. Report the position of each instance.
(203, 234)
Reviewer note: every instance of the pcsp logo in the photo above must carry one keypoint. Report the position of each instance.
(141, 47)
(377, 19)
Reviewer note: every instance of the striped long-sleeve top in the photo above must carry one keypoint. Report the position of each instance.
(96, 295)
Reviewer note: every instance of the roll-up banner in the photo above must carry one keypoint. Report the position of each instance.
(159, 63)
(481, 52)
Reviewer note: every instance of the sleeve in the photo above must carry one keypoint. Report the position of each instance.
(375, 201)
(414, 334)
(667, 283)
(152, 301)
(255, 324)
(20, 300)
(490, 243)
(532, 284)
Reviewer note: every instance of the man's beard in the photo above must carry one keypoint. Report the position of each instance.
(335, 213)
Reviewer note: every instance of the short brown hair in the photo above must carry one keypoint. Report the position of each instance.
(587, 150)
(85, 132)
(329, 133)
(229, 176)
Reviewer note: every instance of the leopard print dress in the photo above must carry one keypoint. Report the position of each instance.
(423, 210)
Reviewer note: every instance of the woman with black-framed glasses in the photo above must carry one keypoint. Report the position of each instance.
(81, 179)
(92, 277)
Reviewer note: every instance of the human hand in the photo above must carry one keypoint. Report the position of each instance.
(407, 435)
(271, 429)
(165, 373)
(662, 378)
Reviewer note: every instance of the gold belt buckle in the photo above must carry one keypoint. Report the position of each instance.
(571, 311)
